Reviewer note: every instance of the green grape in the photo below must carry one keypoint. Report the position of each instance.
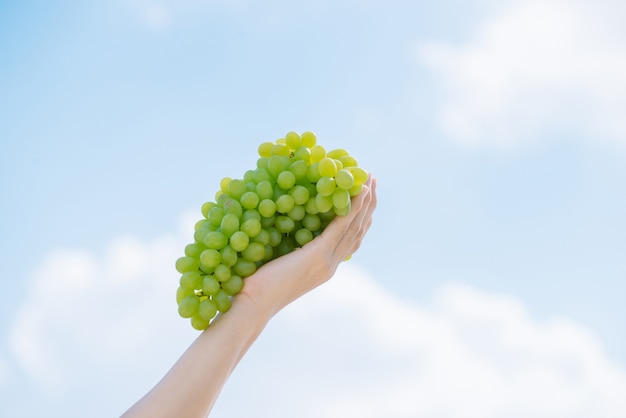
(206, 207)
(299, 169)
(239, 241)
(263, 237)
(267, 222)
(233, 207)
(323, 203)
(338, 164)
(215, 240)
(313, 173)
(263, 162)
(264, 189)
(308, 139)
(337, 153)
(244, 268)
(311, 222)
(317, 153)
(199, 323)
(200, 233)
(342, 211)
(183, 292)
(300, 194)
(355, 190)
(249, 200)
(230, 224)
(360, 175)
(267, 208)
(292, 139)
(327, 167)
(341, 198)
(222, 301)
(194, 250)
(207, 309)
(188, 307)
(210, 285)
(199, 224)
(344, 179)
(284, 203)
(215, 215)
(222, 273)
(284, 224)
(286, 180)
(251, 214)
(248, 176)
(254, 252)
(286, 246)
(297, 213)
(326, 216)
(250, 186)
(281, 150)
(265, 149)
(185, 264)
(312, 188)
(348, 161)
(233, 285)
(277, 164)
(251, 227)
(303, 154)
(326, 186)
(311, 207)
(210, 258)
(269, 253)
(303, 236)
(222, 198)
(229, 256)
(236, 188)
(224, 184)
(191, 280)
(261, 174)
(278, 192)
(275, 236)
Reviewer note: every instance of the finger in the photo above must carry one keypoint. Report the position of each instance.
(361, 224)
(351, 239)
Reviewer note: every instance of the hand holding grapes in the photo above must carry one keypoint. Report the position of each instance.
(268, 239)
(191, 387)
(285, 279)
(297, 189)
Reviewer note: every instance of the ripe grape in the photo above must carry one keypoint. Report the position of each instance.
(295, 190)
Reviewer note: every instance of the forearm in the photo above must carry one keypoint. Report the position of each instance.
(192, 385)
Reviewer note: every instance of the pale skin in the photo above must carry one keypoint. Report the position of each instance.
(192, 385)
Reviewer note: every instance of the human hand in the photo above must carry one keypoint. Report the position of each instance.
(281, 281)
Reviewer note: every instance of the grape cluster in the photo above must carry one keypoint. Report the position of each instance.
(295, 191)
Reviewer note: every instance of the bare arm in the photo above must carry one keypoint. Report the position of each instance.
(193, 384)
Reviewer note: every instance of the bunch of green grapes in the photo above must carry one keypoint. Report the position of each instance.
(293, 194)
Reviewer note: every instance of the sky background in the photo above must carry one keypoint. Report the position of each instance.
(492, 282)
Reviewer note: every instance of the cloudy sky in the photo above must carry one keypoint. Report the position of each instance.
(492, 283)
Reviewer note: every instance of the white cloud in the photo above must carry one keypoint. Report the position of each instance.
(93, 323)
(87, 312)
(353, 349)
(532, 69)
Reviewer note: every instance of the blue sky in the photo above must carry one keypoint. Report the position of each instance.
(495, 130)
